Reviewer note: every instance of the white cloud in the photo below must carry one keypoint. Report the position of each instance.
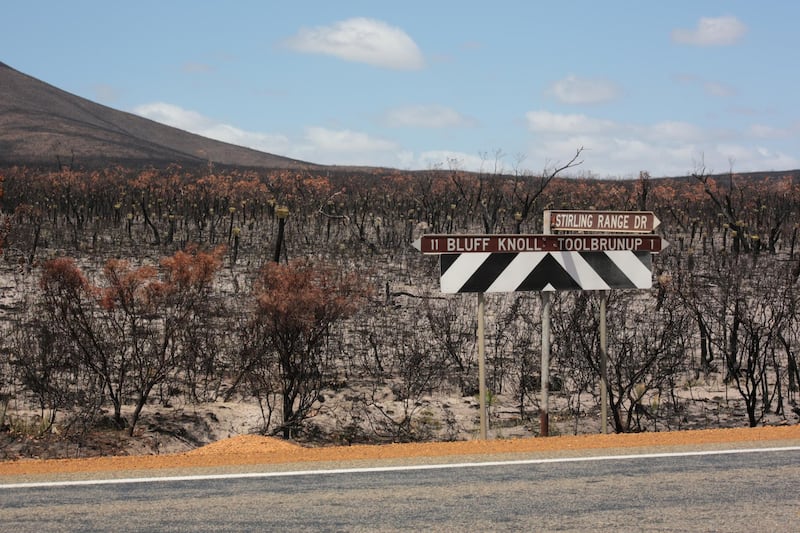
(762, 131)
(346, 141)
(173, 115)
(361, 40)
(617, 156)
(545, 121)
(326, 146)
(675, 131)
(756, 158)
(666, 148)
(625, 156)
(734, 152)
(194, 122)
(720, 31)
(615, 149)
(320, 145)
(426, 116)
(450, 160)
(575, 90)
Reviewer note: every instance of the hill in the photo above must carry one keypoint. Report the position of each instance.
(41, 125)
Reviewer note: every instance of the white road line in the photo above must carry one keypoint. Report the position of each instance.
(120, 481)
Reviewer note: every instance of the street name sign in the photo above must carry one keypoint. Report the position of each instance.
(514, 243)
(602, 221)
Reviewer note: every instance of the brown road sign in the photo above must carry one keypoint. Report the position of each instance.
(459, 244)
(602, 221)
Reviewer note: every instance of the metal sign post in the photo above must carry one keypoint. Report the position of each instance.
(603, 364)
(484, 427)
(544, 409)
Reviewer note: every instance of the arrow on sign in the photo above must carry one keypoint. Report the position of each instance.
(460, 244)
(604, 221)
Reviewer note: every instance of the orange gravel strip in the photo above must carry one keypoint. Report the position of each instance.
(250, 450)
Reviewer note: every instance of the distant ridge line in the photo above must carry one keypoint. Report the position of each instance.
(41, 124)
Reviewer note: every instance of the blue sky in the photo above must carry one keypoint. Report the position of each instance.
(663, 87)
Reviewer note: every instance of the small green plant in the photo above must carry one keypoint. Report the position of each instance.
(490, 398)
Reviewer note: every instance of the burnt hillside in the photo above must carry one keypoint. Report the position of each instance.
(41, 125)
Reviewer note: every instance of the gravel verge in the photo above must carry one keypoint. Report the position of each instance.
(252, 450)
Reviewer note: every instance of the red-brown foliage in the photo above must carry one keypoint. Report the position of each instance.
(302, 296)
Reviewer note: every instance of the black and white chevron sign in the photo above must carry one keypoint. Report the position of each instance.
(546, 271)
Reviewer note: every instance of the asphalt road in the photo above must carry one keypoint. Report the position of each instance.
(740, 491)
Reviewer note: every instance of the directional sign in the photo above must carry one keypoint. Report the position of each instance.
(545, 271)
(602, 221)
(461, 244)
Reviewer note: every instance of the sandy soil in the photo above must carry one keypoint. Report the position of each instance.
(249, 450)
